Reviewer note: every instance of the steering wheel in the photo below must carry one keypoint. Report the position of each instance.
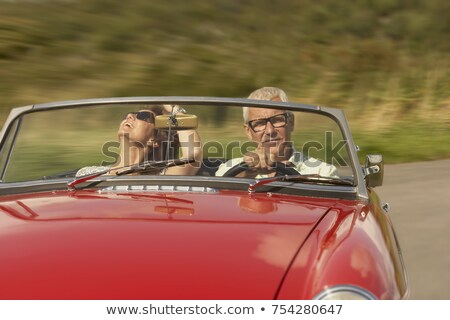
(281, 169)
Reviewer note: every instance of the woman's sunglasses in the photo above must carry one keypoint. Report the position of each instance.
(143, 115)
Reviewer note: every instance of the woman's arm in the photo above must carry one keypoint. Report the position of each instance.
(191, 148)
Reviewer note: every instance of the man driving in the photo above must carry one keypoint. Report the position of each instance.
(271, 129)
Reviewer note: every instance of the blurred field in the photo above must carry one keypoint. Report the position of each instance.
(386, 62)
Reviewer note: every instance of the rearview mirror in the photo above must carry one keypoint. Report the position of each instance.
(179, 121)
(374, 170)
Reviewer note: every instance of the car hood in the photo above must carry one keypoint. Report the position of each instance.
(135, 245)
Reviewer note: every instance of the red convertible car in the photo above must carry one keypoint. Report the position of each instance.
(191, 198)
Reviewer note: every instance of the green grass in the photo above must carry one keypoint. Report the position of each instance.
(406, 143)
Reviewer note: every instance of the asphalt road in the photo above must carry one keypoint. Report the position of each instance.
(419, 195)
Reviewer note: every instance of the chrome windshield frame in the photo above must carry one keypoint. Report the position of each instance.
(335, 114)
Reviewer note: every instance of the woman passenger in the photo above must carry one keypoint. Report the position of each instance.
(140, 141)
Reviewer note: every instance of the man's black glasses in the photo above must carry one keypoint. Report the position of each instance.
(143, 115)
(277, 121)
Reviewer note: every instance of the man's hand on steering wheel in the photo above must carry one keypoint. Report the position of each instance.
(262, 161)
(259, 159)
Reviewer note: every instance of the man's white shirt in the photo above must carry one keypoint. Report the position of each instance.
(302, 165)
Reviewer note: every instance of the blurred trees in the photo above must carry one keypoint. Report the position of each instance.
(380, 60)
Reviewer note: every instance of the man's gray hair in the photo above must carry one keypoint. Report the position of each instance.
(265, 93)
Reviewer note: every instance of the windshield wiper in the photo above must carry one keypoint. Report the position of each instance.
(76, 181)
(316, 178)
(145, 167)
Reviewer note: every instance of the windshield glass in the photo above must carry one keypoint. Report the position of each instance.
(228, 141)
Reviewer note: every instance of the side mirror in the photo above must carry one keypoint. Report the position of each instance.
(374, 170)
(179, 121)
